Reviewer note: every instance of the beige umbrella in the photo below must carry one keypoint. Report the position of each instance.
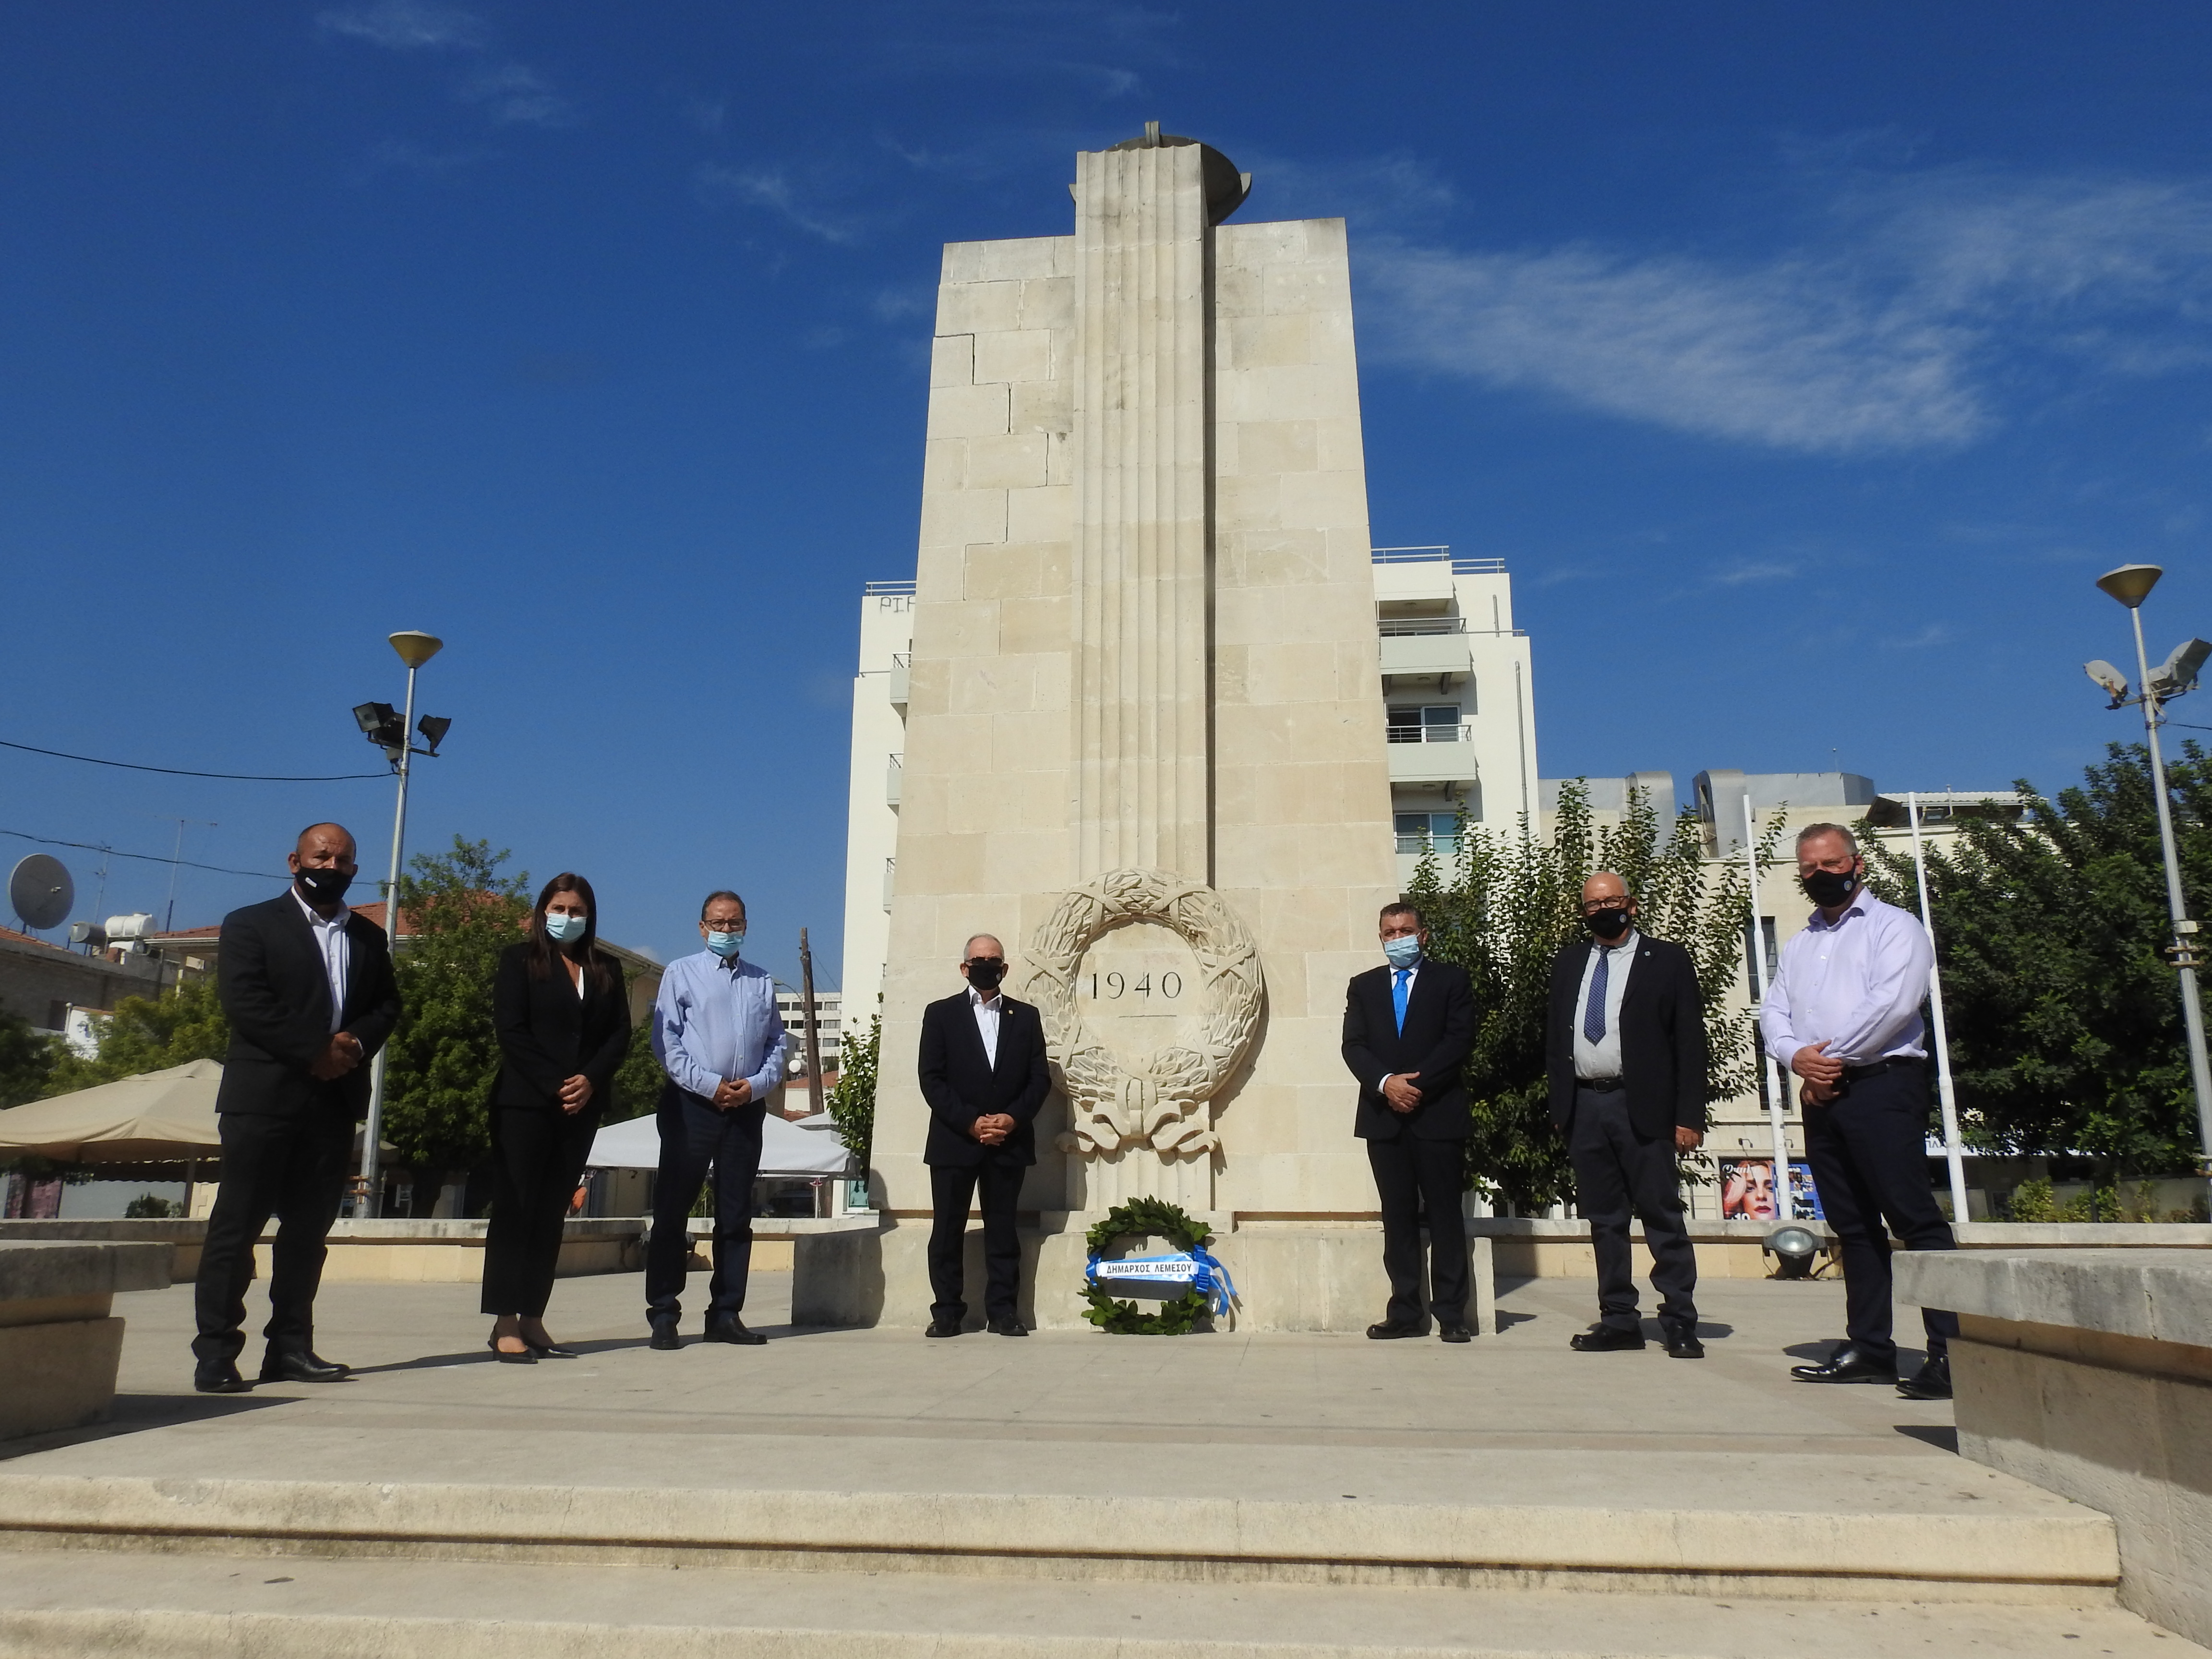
(155, 1117)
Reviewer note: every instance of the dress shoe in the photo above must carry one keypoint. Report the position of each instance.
(1847, 1364)
(1008, 1327)
(1455, 1334)
(1931, 1382)
(521, 1357)
(943, 1328)
(664, 1339)
(552, 1350)
(219, 1379)
(1604, 1338)
(1682, 1343)
(1389, 1331)
(302, 1366)
(732, 1329)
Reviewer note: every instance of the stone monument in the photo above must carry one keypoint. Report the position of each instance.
(1145, 743)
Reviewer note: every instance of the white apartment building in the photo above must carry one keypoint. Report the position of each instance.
(1457, 697)
(828, 1021)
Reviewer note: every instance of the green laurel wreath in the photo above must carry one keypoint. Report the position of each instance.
(1145, 1218)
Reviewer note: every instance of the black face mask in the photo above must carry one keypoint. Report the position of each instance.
(1827, 887)
(985, 974)
(1608, 924)
(324, 886)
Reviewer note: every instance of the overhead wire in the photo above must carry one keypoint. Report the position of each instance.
(147, 858)
(180, 772)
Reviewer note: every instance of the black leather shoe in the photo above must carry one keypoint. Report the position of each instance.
(1847, 1364)
(734, 1330)
(302, 1367)
(552, 1350)
(1455, 1334)
(1931, 1382)
(1390, 1331)
(219, 1379)
(526, 1355)
(664, 1339)
(943, 1328)
(1604, 1338)
(1008, 1327)
(1682, 1343)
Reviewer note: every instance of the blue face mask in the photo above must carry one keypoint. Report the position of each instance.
(725, 945)
(1403, 951)
(566, 929)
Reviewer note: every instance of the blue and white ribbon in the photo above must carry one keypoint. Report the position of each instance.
(1164, 1277)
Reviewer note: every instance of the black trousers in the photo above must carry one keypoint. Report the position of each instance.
(1869, 1150)
(1412, 1174)
(951, 1189)
(537, 1157)
(293, 1168)
(694, 1136)
(1619, 1172)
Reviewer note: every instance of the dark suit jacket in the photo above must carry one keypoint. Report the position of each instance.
(1663, 1038)
(276, 994)
(961, 1085)
(1440, 1034)
(547, 1034)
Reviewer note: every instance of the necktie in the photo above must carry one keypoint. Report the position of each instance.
(1398, 993)
(1594, 1015)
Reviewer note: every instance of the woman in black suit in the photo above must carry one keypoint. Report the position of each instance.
(562, 1018)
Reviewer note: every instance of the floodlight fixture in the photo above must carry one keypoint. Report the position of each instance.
(434, 728)
(2131, 583)
(374, 717)
(1794, 1249)
(2178, 673)
(2109, 678)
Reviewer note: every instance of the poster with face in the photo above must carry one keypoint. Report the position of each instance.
(1748, 1190)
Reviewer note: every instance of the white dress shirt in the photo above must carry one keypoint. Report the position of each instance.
(337, 952)
(988, 1009)
(1601, 1059)
(1857, 982)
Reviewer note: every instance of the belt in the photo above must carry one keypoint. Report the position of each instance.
(1858, 1073)
(1601, 1085)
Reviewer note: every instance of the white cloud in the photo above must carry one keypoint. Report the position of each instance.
(772, 189)
(1901, 321)
(515, 94)
(1739, 576)
(406, 25)
(1934, 634)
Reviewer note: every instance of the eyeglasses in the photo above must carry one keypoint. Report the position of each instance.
(1591, 907)
(978, 961)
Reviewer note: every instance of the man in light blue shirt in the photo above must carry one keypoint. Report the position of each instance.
(717, 1033)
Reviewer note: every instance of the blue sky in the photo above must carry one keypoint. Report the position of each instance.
(1806, 363)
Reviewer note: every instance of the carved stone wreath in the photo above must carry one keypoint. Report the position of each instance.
(1162, 1104)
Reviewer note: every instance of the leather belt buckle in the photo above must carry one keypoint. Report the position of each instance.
(1603, 1086)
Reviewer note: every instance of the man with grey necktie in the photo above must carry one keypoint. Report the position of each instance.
(1624, 1053)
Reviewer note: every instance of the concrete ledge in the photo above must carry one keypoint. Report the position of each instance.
(59, 1346)
(2089, 1373)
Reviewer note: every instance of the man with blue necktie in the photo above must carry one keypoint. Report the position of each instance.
(1409, 1028)
(1624, 1053)
(718, 1035)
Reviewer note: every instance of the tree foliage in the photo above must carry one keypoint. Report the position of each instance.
(26, 1060)
(1503, 907)
(638, 1080)
(148, 1034)
(460, 913)
(2064, 1018)
(852, 1103)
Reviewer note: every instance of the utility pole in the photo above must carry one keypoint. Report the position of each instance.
(813, 1038)
(1953, 1155)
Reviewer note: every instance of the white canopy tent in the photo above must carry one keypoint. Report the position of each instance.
(788, 1150)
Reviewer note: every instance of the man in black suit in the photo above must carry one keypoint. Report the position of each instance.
(1409, 1028)
(1625, 1050)
(307, 987)
(984, 1074)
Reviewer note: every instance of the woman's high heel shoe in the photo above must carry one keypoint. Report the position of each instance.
(551, 1351)
(527, 1356)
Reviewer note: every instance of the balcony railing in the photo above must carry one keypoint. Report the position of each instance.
(894, 775)
(890, 871)
(1460, 567)
(874, 589)
(1462, 732)
(901, 678)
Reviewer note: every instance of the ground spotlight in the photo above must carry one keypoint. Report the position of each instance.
(1795, 1249)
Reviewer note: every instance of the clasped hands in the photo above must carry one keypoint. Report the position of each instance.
(991, 1128)
(731, 1092)
(339, 1056)
(1400, 1093)
(1823, 1073)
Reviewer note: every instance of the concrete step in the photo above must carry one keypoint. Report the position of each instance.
(60, 1604)
(1956, 1532)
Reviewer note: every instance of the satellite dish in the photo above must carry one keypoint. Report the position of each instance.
(40, 892)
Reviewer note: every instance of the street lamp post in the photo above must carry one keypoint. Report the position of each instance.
(2130, 585)
(415, 650)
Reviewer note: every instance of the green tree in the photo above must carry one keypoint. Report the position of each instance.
(26, 1060)
(638, 1080)
(148, 1034)
(458, 913)
(2064, 1017)
(852, 1103)
(1503, 909)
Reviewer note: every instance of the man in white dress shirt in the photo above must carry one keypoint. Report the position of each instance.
(1844, 1015)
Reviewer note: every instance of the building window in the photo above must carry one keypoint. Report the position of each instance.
(1418, 831)
(1431, 722)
